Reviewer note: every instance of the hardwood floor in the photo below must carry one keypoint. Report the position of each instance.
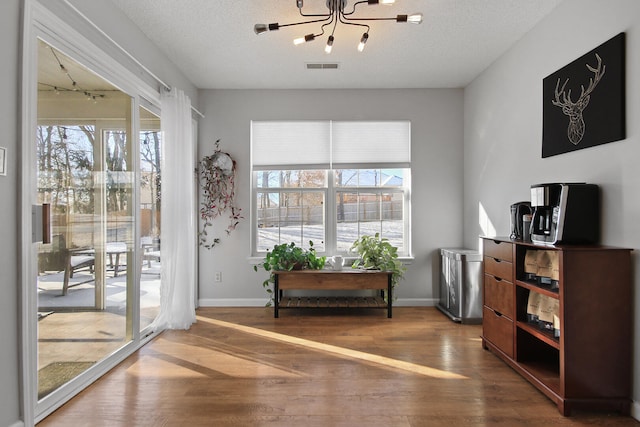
(242, 367)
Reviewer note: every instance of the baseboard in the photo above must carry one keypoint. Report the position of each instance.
(257, 302)
(415, 302)
(232, 302)
(17, 424)
(635, 410)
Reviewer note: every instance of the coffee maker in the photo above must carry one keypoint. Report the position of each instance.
(565, 213)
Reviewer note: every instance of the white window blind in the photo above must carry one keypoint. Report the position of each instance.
(385, 144)
(326, 144)
(278, 145)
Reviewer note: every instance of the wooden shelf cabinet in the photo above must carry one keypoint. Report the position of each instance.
(589, 365)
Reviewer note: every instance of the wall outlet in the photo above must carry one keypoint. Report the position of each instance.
(218, 276)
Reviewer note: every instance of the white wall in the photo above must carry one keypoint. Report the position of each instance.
(436, 118)
(503, 131)
(9, 262)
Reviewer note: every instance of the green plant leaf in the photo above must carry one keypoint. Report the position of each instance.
(379, 254)
(287, 257)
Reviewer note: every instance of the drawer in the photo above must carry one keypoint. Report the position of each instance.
(499, 250)
(498, 330)
(498, 295)
(498, 268)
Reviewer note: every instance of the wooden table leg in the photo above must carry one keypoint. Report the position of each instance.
(276, 296)
(389, 296)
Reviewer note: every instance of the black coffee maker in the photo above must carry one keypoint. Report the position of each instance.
(518, 211)
(567, 213)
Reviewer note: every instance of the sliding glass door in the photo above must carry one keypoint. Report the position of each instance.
(97, 163)
(85, 173)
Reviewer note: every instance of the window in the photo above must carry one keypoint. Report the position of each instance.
(290, 207)
(370, 201)
(330, 182)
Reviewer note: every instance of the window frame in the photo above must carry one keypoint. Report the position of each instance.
(331, 191)
(404, 249)
(328, 145)
(279, 190)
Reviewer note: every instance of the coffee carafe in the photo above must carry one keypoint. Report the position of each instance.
(567, 213)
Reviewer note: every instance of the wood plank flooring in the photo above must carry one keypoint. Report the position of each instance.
(321, 367)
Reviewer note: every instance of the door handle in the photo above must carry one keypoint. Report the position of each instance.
(41, 223)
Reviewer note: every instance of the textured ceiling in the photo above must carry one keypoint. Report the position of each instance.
(213, 43)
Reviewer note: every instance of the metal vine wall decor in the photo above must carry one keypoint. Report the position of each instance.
(217, 183)
(584, 101)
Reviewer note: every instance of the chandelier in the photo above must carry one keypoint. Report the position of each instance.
(337, 13)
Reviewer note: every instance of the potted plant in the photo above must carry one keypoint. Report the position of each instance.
(378, 254)
(287, 257)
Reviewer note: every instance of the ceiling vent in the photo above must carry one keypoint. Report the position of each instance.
(322, 66)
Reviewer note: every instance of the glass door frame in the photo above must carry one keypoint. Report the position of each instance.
(41, 23)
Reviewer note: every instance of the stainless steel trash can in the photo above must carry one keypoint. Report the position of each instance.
(461, 285)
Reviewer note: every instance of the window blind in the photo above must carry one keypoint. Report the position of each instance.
(278, 145)
(327, 144)
(385, 144)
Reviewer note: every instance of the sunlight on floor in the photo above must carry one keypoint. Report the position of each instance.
(198, 360)
(156, 367)
(353, 354)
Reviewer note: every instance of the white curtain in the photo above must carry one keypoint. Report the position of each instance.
(177, 291)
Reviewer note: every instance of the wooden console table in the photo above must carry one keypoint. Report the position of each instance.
(348, 279)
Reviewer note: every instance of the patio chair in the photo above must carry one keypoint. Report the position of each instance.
(150, 251)
(74, 260)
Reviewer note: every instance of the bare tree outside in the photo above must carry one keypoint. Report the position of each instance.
(151, 177)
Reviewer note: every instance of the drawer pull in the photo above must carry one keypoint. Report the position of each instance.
(497, 260)
(498, 279)
(497, 313)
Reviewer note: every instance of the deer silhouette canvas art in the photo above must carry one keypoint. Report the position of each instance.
(574, 110)
(583, 102)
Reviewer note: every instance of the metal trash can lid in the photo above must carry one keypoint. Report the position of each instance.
(461, 254)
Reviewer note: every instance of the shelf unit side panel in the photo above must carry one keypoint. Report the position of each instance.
(596, 323)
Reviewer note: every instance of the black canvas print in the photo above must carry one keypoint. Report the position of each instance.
(583, 103)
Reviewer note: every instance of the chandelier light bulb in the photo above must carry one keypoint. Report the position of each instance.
(363, 41)
(329, 46)
(260, 28)
(263, 28)
(415, 18)
(305, 39)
